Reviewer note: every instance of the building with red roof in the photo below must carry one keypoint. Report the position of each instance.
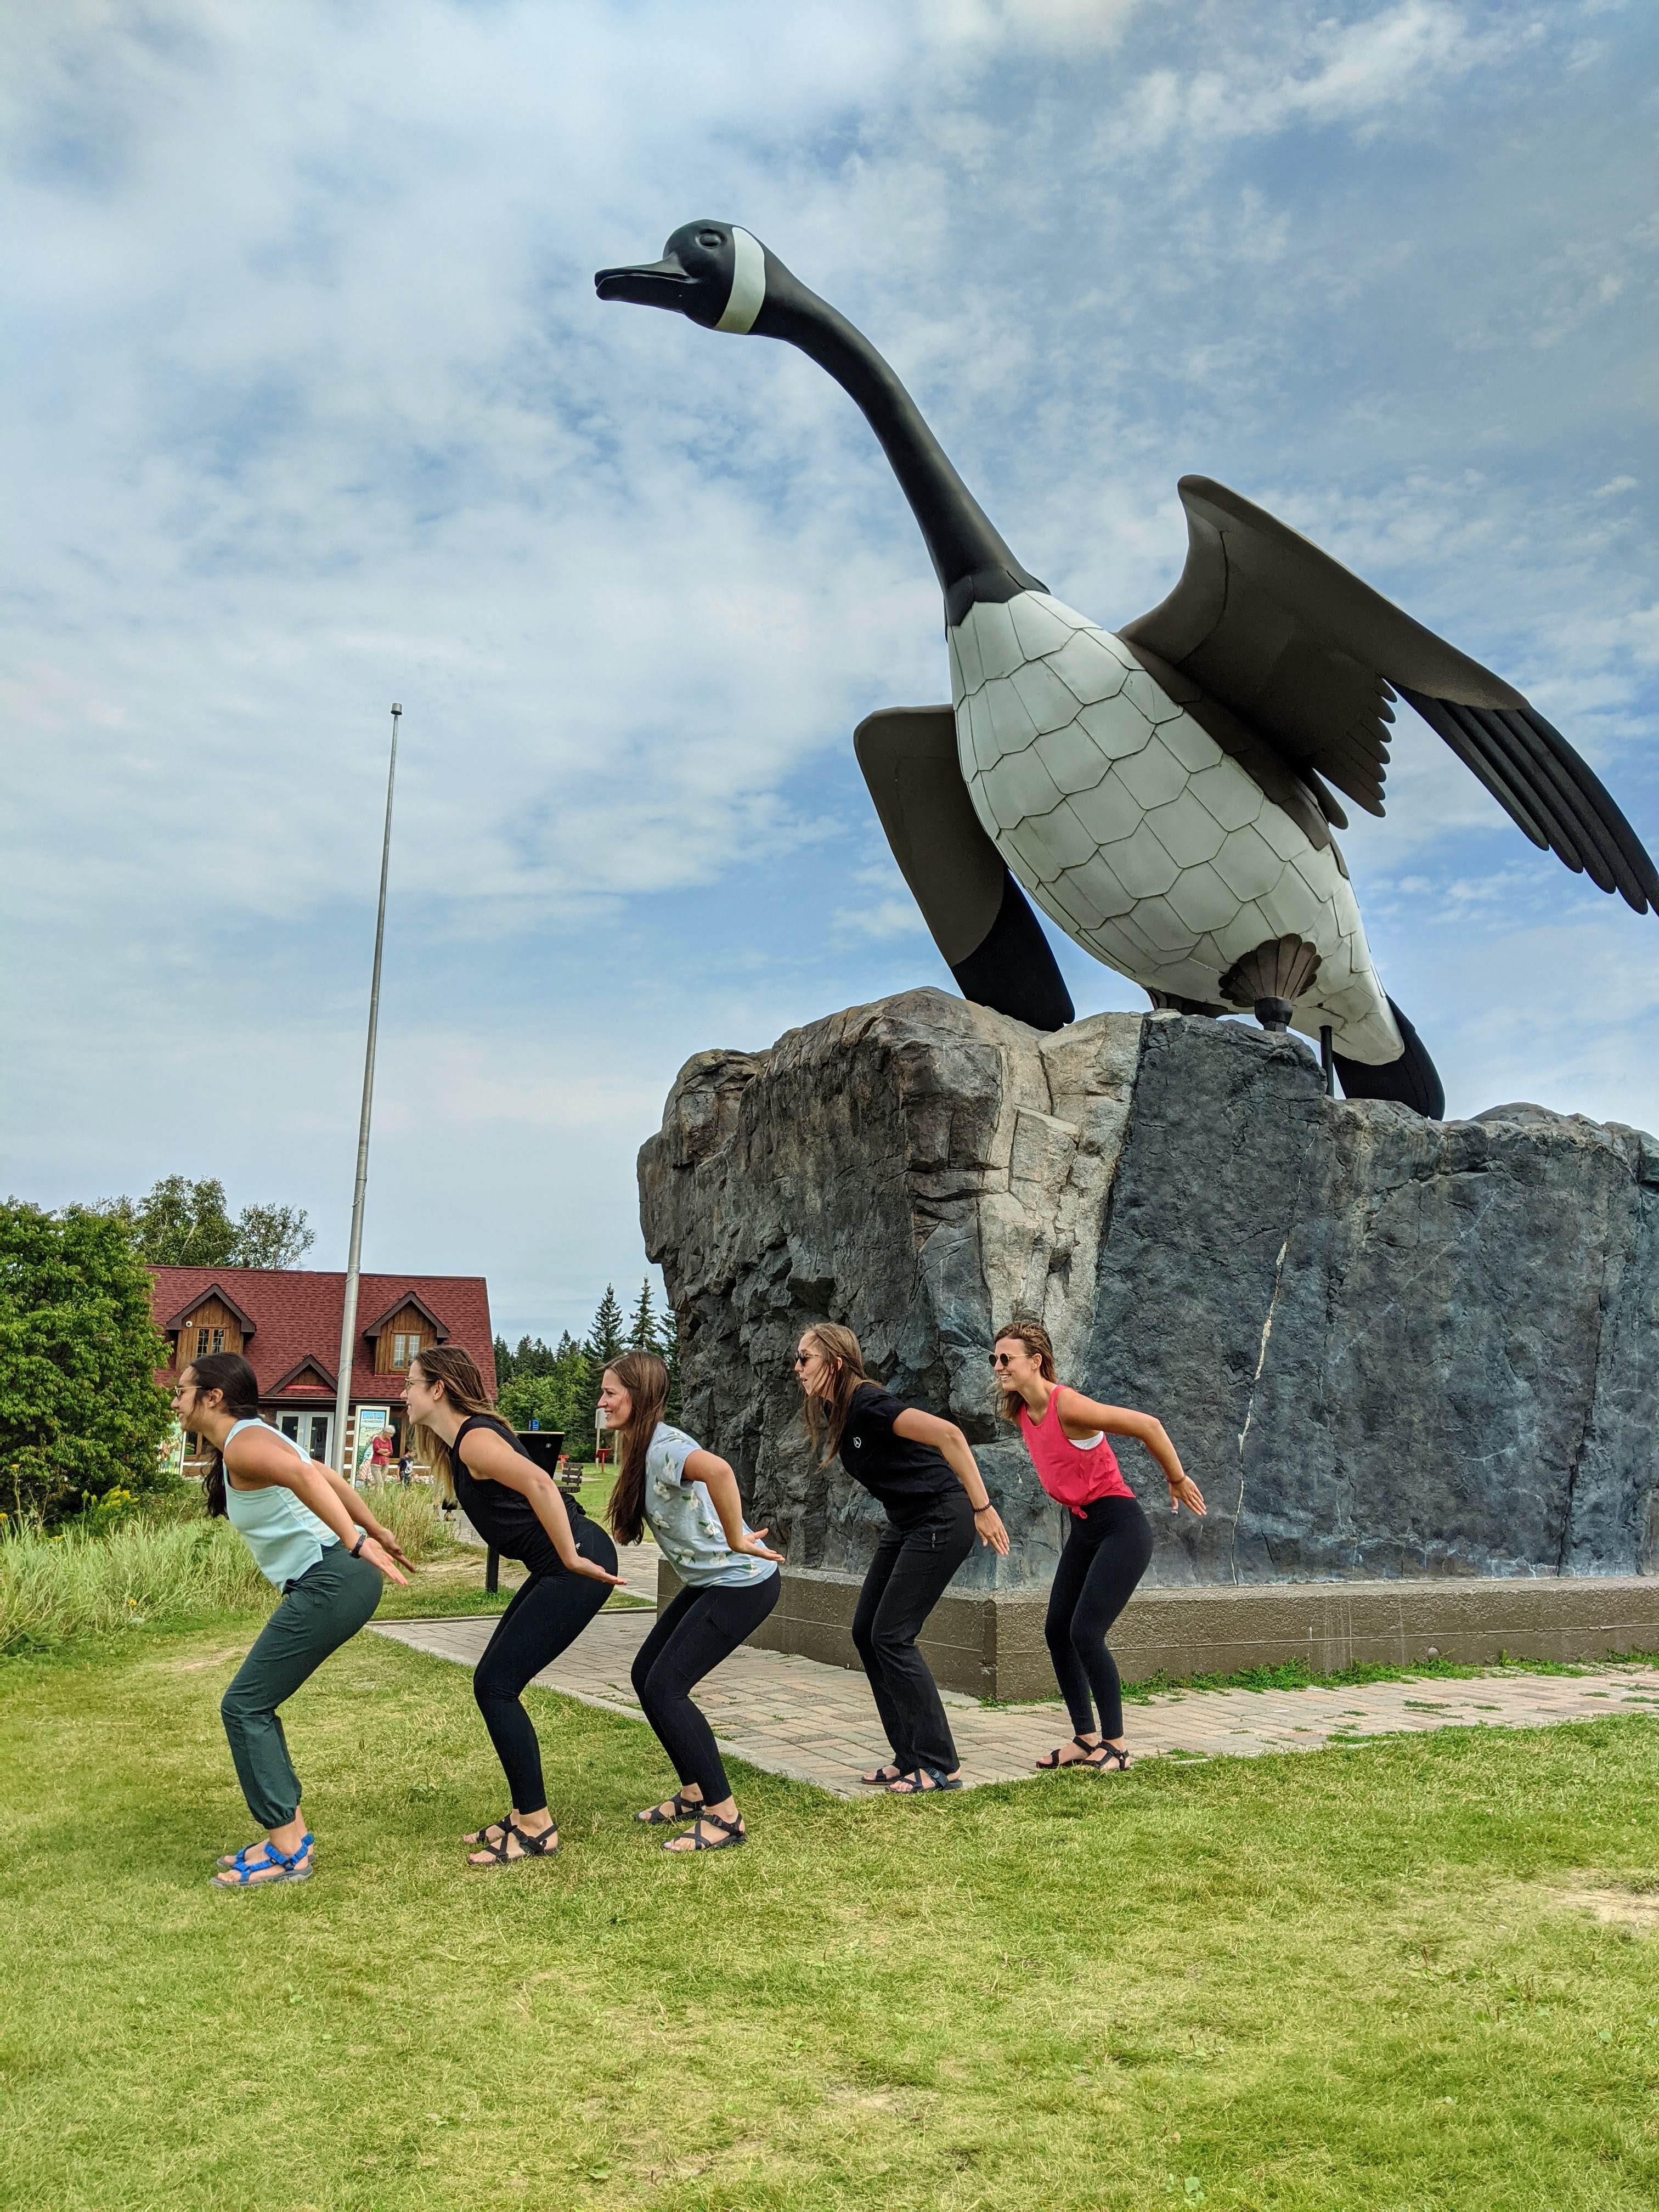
(286, 1323)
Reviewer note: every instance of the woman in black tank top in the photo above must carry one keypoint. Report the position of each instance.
(572, 1568)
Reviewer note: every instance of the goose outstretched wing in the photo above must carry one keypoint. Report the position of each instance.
(1307, 654)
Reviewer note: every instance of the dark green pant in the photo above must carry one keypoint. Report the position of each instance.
(318, 1613)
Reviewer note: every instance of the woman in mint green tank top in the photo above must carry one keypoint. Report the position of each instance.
(315, 1539)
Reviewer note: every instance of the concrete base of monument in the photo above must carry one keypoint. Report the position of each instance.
(989, 1643)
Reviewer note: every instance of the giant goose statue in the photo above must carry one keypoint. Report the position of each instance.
(1163, 792)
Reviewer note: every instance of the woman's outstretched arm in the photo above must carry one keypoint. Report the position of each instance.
(717, 1479)
(947, 1439)
(357, 1505)
(1083, 1417)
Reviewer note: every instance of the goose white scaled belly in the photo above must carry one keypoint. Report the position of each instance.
(1132, 830)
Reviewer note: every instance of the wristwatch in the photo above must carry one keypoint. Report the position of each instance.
(362, 1538)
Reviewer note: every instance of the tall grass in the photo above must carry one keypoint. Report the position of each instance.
(91, 1583)
(57, 1586)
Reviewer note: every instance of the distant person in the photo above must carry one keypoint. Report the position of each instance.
(572, 1566)
(924, 1474)
(379, 1455)
(690, 1499)
(1110, 1543)
(314, 1538)
(406, 1469)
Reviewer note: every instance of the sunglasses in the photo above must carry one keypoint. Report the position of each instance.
(801, 1359)
(1002, 1359)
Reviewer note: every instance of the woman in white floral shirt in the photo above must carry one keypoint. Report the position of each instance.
(688, 1499)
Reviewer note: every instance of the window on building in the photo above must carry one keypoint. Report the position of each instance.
(201, 1341)
(218, 1340)
(403, 1350)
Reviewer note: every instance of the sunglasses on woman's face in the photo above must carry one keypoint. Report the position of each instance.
(802, 1358)
(1002, 1359)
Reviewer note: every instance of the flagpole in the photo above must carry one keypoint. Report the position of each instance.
(349, 1317)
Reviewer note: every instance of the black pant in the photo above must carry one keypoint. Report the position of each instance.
(702, 1626)
(1105, 1556)
(907, 1579)
(547, 1613)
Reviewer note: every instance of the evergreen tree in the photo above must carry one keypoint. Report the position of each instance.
(504, 1367)
(644, 1333)
(606, 1338)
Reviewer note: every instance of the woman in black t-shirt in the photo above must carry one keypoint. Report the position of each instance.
(573, 1566)
(923, 1472)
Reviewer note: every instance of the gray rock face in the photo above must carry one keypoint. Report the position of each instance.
(1384, 1346)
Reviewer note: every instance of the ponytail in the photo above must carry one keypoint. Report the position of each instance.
(229, 1373)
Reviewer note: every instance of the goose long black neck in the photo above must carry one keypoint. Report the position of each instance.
(969, 557)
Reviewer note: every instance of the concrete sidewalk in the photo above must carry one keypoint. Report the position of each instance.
(818, 1724)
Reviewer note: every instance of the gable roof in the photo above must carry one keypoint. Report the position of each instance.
(326, 1378)
(215, 1289)
(402, 1305)
(294, 1314)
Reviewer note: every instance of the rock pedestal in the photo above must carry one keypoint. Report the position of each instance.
(1384, 1347)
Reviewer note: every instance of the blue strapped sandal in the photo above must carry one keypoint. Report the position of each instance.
(244, 1872)
(921, 1782)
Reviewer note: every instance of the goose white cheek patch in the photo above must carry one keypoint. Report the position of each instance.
(748, 284)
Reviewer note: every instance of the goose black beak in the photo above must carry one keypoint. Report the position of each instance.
(648, 284)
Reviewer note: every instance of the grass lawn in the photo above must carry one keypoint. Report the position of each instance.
(1352, 1978)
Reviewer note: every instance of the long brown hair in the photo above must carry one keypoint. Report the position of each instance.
(645, 1378)
(463, 1387)
(825, 1418)
(230, 1374)
(1038, 1341)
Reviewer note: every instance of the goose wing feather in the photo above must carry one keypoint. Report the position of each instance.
(1299, 647)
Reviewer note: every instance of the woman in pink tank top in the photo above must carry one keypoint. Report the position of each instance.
(1110, 1541)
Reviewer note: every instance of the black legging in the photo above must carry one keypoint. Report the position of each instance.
(1105, 1556)
(702, 1626)
(907, 1579)
(548, 1613)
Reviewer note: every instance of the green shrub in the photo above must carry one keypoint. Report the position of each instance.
(80, 1413)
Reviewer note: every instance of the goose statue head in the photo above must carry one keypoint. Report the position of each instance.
(1166, 792)
(712, 273)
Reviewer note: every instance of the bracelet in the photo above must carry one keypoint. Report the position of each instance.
(362, 1538)
(985, 1508)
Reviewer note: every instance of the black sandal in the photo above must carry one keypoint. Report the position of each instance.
(481, 1836)
(935, 1780)
(1111, 1758)
(530, 1847)
(735, 1832)
(879, 1777)
(1053, 1760)
(684, 1809)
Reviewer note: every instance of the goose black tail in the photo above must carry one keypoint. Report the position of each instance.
(1412, 1080)
(1012, 970)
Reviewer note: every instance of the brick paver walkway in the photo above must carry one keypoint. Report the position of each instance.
(818, 1723)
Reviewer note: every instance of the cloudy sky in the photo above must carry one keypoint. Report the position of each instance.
(313, 408)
